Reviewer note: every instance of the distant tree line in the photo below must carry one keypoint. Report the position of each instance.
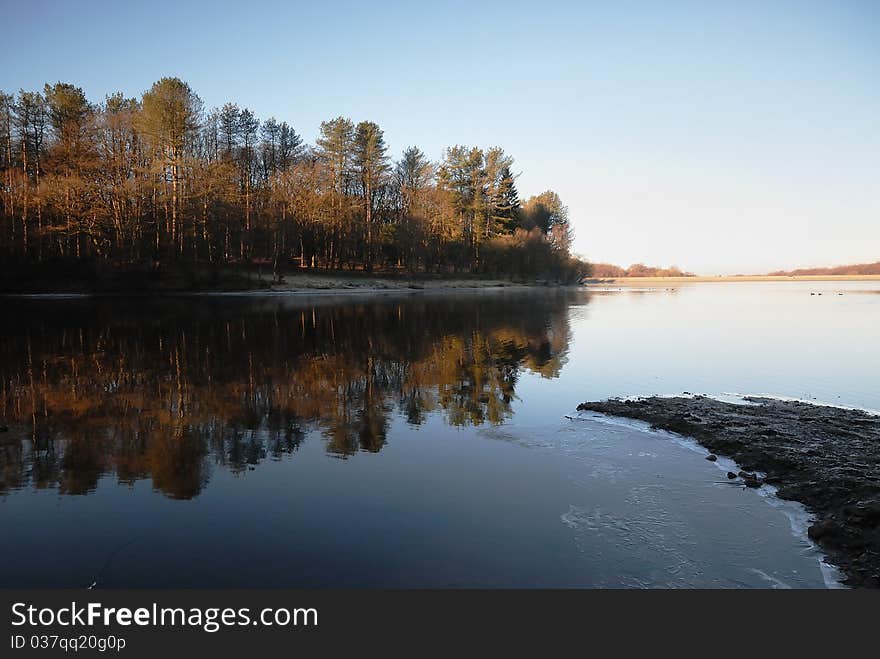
(607, 270)
(856, 269)
(160, 180)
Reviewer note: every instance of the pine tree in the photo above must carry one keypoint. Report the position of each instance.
(370, 165)
(335, 150)
(290, 146)
(229, 119)
(507, 204)
(68, 114)
(169, 119)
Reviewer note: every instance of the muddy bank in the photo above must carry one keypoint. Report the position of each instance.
(826, 458)
(359, 282)
(155, 279)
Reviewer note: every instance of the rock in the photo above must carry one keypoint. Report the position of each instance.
(712, 457)
(750, 480)
(826, 529)
(864, 511)
(731, 475)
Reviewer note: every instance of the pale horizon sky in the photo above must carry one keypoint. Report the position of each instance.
(720, 137)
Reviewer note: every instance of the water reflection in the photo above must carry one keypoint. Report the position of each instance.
(169, 390)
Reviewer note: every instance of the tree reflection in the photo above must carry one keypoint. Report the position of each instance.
(169, 390)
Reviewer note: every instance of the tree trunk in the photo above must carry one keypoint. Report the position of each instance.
(369, 218)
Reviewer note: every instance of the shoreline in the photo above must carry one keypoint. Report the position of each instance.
(299, 283)
(324, 288)
(334, 283)
(340, 284)
(826, 458)
(722, 279)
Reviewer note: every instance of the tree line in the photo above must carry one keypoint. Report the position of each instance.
(852, 270)
(159, 180)
(608, 270)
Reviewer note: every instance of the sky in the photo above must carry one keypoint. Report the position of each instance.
(721, 137)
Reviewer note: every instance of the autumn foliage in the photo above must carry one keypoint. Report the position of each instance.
(161, 181)
(608, 271)
(858, 269)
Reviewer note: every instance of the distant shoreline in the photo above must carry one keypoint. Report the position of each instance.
(641, 281)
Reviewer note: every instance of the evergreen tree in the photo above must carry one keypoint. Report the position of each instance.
(229, 120)
(370, 166)
(507, 203)
(290, 146)
(169, 119)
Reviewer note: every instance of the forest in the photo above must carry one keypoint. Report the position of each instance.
(161, 183)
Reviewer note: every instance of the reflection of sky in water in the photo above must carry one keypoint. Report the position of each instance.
(768, 338)
(536, 501)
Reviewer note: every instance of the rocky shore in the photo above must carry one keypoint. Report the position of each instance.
(826, 458)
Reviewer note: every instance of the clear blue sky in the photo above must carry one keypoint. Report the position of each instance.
(718, 136)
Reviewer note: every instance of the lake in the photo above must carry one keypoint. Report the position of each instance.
(407, 440)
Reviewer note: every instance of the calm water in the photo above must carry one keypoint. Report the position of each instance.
(410, 440)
